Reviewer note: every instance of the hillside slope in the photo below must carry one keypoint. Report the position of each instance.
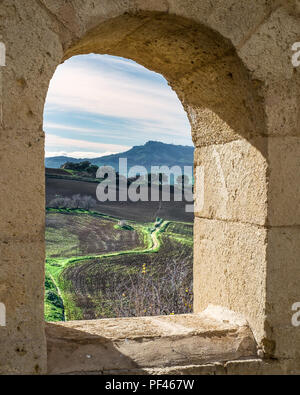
(153, 153)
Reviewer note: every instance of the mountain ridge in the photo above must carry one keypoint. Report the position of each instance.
(152, 153)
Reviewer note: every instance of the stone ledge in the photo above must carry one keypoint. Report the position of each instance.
(139, 344)
(251, 366)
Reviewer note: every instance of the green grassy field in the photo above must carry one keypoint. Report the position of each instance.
(97, 267)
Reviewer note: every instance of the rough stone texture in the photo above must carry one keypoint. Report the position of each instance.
(229, 258)
(255, 181)
(22, 341)
(282, 100)
(32, 56)
(234, 181)
(22, 193)
(150, 342)
(284, 181)
(233, 19)
(229, 62)
(239, 367)
(267, 52)
(282, 289)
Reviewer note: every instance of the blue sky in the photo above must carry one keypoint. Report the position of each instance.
(99, 104)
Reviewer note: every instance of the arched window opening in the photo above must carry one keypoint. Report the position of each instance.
(119, 193)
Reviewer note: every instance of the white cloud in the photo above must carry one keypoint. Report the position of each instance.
(92, 132)
(78, 154)
(56, 141)
(50, 125)
(106, 90)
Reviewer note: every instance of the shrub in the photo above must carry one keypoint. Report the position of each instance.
(146, 294)
(77, 201)
(54, 299)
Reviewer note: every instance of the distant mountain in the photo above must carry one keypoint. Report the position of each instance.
(56, 161)
(153, 153)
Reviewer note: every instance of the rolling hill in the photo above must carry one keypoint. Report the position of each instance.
(152, 153)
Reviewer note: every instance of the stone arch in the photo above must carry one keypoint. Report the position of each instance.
(221, 99)
(212, 57)
(201, 66)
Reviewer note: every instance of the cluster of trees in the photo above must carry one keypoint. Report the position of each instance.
(158, 178)
(84, 166)
(76, 201)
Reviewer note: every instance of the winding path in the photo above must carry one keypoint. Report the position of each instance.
(65, 262)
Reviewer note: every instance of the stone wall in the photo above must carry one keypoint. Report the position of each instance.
(229, 61)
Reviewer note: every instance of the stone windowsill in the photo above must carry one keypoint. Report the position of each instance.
(131, 344)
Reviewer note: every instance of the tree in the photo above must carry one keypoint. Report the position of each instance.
(77, 201)
(83, 166)
(60, 202)
(68, 166)
(87, 202)
(92, 170)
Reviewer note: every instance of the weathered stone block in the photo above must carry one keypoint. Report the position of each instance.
(254, 271)
(253, 367)
(234, 19)
(22, 340)
(22, 186)
(282, 107)
(230, 269)
(234, 182)
(268, 51)
(146, 342)
(283, 290)
(208, 128)
(32, 55)
(284, 181)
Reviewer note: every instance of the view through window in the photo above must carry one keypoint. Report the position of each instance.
(119, 189)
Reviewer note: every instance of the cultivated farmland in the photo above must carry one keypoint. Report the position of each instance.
(98, 266)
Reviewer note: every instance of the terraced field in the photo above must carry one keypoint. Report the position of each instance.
(134, 284)
(96, 268)
(78, 233)
(136, 211)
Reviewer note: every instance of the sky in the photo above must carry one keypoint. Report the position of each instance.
(100, 104)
